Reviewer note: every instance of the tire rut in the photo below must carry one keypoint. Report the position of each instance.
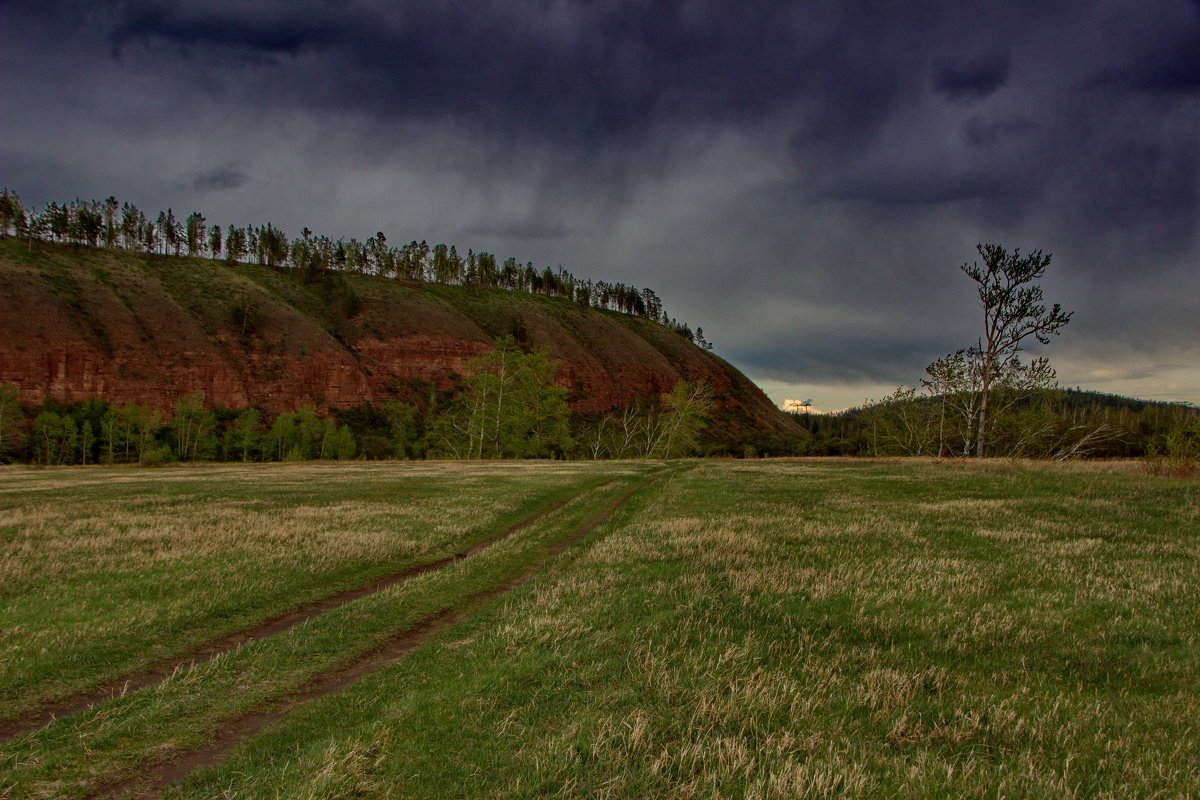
(157, 777)
(160, 670)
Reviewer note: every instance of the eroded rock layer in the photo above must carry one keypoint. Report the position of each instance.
(78, 323)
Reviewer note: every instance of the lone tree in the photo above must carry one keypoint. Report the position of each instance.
(1012, 312)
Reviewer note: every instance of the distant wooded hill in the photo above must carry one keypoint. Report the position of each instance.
(1044, 425)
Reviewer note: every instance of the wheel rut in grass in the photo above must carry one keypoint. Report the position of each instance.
(160, 670)
(154, 778)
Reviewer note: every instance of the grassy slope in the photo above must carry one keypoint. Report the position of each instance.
(749, 629)
(174, 315)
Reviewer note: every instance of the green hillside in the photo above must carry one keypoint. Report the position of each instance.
(126, 326)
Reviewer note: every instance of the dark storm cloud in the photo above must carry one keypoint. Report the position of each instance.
(226, 176)
(254, 26)
(584, 73)
(801, 179)
(850, 359)
(981, 132)
(931, 185)
(973, 79)
(583, 76)
(1162, 56)
(594, 65)
(528, 230)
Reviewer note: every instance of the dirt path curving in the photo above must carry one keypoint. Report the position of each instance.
(151, 782)
(162, 669)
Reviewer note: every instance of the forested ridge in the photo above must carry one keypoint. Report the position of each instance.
(501, 404)
(112, 224)
(109, 355)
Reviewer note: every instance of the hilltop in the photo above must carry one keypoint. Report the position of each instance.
(82, 322)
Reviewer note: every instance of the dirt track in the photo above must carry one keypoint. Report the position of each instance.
(152, 780)
(159, 671)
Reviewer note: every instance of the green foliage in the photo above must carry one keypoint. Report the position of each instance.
(982, 400)
(215, 241)
(156, 456)
(273, 246)
(244, 314)
(94, 223)
(12, 418)
(303, 435)
(342, 445)
(1178, 454)
(508, 408)
(194, 233)
(235, 243)
(242, 439)
(124, 433)
(403, 434)
(1046, 424)
(55, 438)
(194, 429)
(90, 419)
(128, 433)
(898, 424)
(669, 429)
(291, 434)
(10, 211)
(685, 411)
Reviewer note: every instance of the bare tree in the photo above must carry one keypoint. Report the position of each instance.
(1012, 312)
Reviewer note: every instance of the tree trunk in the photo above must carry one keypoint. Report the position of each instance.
(985, 389)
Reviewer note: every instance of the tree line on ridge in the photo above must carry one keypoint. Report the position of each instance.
(112, 224)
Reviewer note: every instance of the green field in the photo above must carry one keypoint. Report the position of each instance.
(719, 629)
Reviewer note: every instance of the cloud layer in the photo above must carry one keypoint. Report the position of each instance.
(802, 180)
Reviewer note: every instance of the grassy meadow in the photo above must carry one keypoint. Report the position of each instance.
(720, 629)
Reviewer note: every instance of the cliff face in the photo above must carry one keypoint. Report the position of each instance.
(78, 323)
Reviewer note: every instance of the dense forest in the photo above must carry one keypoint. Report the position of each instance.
(112, 224)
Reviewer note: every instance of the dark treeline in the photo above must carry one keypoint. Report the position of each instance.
(112, 224)
(1047, 424)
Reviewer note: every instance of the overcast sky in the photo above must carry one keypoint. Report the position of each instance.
(801, 179)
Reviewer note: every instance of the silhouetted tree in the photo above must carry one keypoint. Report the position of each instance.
(194, 232)
(10, 210)
(214, 241)
(1012, 312)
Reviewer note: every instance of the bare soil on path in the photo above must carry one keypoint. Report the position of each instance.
(162, 669)
(155, 777)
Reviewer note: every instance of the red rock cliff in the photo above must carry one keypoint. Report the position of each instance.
(78, 323)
